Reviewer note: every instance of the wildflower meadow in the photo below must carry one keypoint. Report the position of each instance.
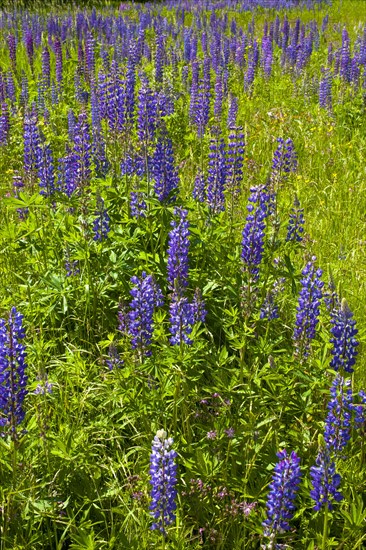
(183, 275)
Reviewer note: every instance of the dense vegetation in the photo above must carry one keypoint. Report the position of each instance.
(183, 276)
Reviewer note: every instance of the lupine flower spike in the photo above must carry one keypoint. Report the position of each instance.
(163, 472)
(280, 503)
(13, 379)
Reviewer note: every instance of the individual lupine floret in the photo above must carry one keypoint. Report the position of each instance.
(338, 422)
(13, 380)
(101, 223)
(325, 481)
(163, 472)
(344, 330)
(146, 295)
(283, 489)
(308, 308)
(178, 252)
(296, 222)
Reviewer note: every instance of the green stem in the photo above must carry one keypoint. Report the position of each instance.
(325, 528)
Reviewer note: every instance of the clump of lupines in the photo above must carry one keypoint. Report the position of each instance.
(146, 295)
(163, 472)
(296, 222)
(308, 308)
(344, 330)
(325, 481)
(101, 226)
(338, 422)
(13, 380)
(283, 489)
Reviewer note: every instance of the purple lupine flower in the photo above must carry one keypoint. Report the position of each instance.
(159, 56)
(269, 309)
(32, 147)
(233, 112)
(283, 489)
(345, 62)
(267, 56)
(114, 99)
(29, 46)
(202, 108)
(4, 124)
(12, 45)
(284, 161)
(146, 113)
(130, 82)
(138, 205)
(178, 252)
(13, 380)
(344, 330)
(90, 55)
(337, 431)
(114, 360)
(10, 88)
(101, 223)
(81, 152)
(253, 232)
(199, 189)
(308, 308)
(325, 90)
(194, 92)
(218, 97)
(59, 64)
(296, 222)
(164, 171)
(199, 311)
(46, 69)
(182, 319)
(235, 161)
(146, 295)
(360, 411)
(216, 178)
(46, 172)
(163, 472)
(325, 481)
